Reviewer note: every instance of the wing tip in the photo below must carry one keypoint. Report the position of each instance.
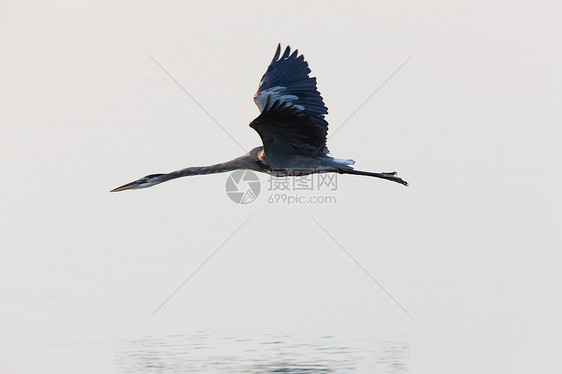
(286, 53)
(277, 52)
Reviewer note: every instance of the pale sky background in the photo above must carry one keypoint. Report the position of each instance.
(471, 249)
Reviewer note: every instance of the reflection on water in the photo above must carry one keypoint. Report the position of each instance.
(204, 352)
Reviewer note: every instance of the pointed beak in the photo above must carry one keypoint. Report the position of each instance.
(127, 186)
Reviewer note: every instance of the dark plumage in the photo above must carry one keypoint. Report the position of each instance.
(291, 125)
(291, 72)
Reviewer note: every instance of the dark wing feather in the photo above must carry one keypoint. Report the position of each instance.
(292, 106)
(287, 79)
(287, 133)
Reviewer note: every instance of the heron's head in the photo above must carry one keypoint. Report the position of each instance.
(144, 182)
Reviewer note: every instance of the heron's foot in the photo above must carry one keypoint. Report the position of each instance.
(393, 177)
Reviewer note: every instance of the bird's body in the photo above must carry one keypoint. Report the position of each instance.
(291, 125)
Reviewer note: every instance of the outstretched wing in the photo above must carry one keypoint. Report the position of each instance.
(292, 110)
(287, 132)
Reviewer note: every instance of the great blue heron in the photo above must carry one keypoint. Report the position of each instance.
(291, 126)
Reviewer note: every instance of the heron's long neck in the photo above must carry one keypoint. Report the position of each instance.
(244, 162)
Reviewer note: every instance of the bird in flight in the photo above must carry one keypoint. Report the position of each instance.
(291, 126)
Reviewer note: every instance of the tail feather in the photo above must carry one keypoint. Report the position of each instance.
(391, 176)
(346, 163)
